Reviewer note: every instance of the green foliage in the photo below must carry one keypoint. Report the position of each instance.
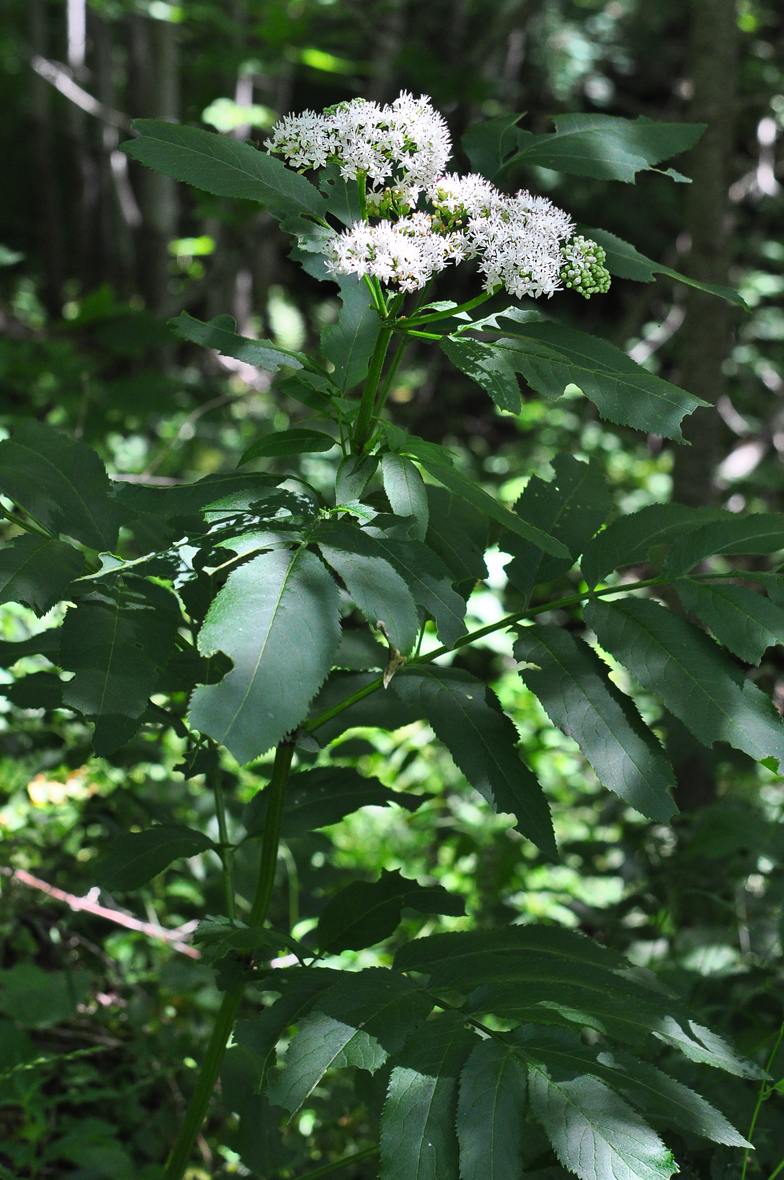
(317, 798)
(696, 681)
(418, 1135)
(277, 620)
(224, 167)
(468, 719)
(578, 697)
(36, 570)
(364, 914)
(491, 1112)
(116, 641)
(600, 146)
(221, 335)
(237, 613)
(61, 484)
(136, 857)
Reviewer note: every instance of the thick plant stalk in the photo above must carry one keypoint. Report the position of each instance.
(224, 1022)
(705, 337)
(365, 419)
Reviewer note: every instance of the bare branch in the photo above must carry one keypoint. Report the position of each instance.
(88, 906)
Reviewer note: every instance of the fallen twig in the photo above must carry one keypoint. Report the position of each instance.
(85, 904)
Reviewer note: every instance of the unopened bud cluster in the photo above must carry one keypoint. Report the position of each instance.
(421, 219)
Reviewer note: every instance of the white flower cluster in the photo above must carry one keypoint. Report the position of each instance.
(406, 252)
(522, 242)
(406, 143)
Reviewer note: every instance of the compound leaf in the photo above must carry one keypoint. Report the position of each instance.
(603, 146)
(482, 740)
(277, 619)
(36, 570)
(479, 499)
(491, 1113)
(457, 533)
(627, 263)
(61, 483)
(418, 1139)
(489, 142)
(643, 1084)
(551, 356)
(223, 166)
(630, 539)
(429, 581)
(760, 533)
(353, 475)
(363, 914)
(300, 440)
(300, 987)
(573, 686)
(219, 937)
(741, 619)
(37, 690)
(188, 499)
(360, 1021)
(706, 690)
(134, 858)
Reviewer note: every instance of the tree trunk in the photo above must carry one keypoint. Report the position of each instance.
(46, 186)
(706, 332)
(154, 92)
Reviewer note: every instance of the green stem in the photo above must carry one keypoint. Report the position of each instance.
(344, 1162)
(764, 1092)
(205, 1084)
(226, 852)
(30, 526)
(774, 1174)
(390, 377)
(506, 621)
(446, 315)
(379, 306)
(271, 838)
(365, 420)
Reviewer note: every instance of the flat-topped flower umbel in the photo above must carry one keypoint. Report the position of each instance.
(418, 219)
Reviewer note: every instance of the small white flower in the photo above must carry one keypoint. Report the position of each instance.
(407, 143)
(461, 196)
(518, 242)
(406, 252)
(522, 242)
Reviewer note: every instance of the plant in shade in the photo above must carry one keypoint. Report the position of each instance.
(228, 611)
